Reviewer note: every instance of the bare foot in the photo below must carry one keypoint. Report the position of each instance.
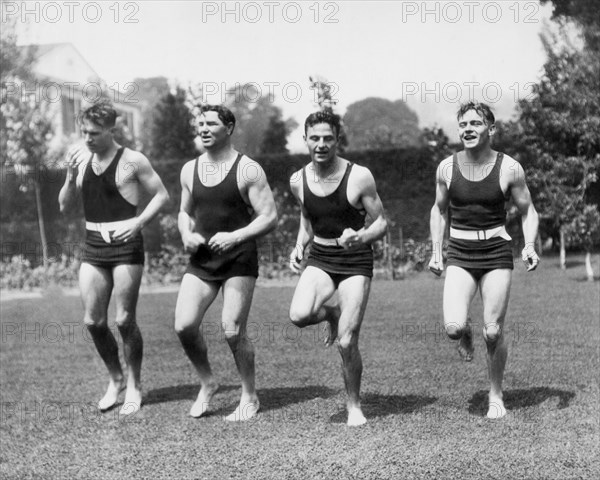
(496, 408)
(132, 403)
(356, 417)
(200, 406)
(465, 344)
(111, 396)
(332, 317)
(244, 411)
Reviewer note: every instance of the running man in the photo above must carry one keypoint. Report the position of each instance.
(110, 179)
(226, 204)
(473, 186)
(335, 196)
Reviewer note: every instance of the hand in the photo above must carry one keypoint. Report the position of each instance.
(436, 266)
(530, 258)
(296, 259)
(74, 157)
(127, 232)
(350, 238)
(192, 241)
(222, 242)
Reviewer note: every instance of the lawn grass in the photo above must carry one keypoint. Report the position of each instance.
(425, 408)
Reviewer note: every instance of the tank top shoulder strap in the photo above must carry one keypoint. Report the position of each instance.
(113, 165)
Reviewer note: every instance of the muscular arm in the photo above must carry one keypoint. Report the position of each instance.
(529, 216)
(151, 182)
(372, 204)
(262, 202)
(438, 219)
(76, 161)
(191, 240)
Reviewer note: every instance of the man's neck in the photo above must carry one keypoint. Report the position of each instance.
(479, 155)
(328, 169)
(221, 154)
(109, 153)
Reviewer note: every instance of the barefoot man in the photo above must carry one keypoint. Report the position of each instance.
(111, 179)
(474, 186)
(335, 196)
(226, 203)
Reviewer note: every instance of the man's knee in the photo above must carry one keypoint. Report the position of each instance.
(347, 340)
(492, 332)
(454, 330)
(95, 322)
(299, 316)
(125, 319)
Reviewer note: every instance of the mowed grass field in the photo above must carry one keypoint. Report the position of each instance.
(425, 408)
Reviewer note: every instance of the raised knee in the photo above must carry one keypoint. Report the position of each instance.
(299, 317)
(492, 332)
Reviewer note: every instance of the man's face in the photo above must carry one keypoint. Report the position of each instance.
(213, 133)
(97, 138)
(321, 141)
(473, 130)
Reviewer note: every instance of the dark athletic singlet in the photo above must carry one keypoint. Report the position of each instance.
(477, 205)
(221, 208)
(330, 215)
(102, 201)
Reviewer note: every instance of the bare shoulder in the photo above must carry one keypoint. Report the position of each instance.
(135, 157)
(361, 175)
(250, 171)
(187, 172)
(444, 170)
(296, 182)
(512, 170)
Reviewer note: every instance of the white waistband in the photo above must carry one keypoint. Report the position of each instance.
(326, 241)
(480, 234)
(106, 226)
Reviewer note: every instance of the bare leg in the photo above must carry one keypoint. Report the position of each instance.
(459, 289)
(96, 286)
(314, 288)
(495, 292)
(237, 299)
(354, 294)
(127, 279)
(195, 296)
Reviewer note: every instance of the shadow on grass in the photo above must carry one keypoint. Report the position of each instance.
(517, 399)
(275, 398)
(179, 392)
(377, 405)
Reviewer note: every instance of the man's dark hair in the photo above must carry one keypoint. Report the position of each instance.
(101, 113)
(481, 108)
(224, 114)
(327, 117)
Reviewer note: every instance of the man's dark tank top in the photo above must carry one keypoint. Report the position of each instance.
(330, 215)
(477, 205)
(219, 208)
(102, 201)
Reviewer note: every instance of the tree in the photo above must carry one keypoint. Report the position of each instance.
(275, 137)
(561, 130)
(149, 91)
(377, 123)
(173, 132)
(24, 121)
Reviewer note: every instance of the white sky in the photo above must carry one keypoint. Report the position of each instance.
(431, 54)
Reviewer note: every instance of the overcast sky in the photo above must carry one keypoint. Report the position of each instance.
(432, 54)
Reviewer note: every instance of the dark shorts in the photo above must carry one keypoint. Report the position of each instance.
(242, 261)
(340, 263)
(480, 256)
(108, 255)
